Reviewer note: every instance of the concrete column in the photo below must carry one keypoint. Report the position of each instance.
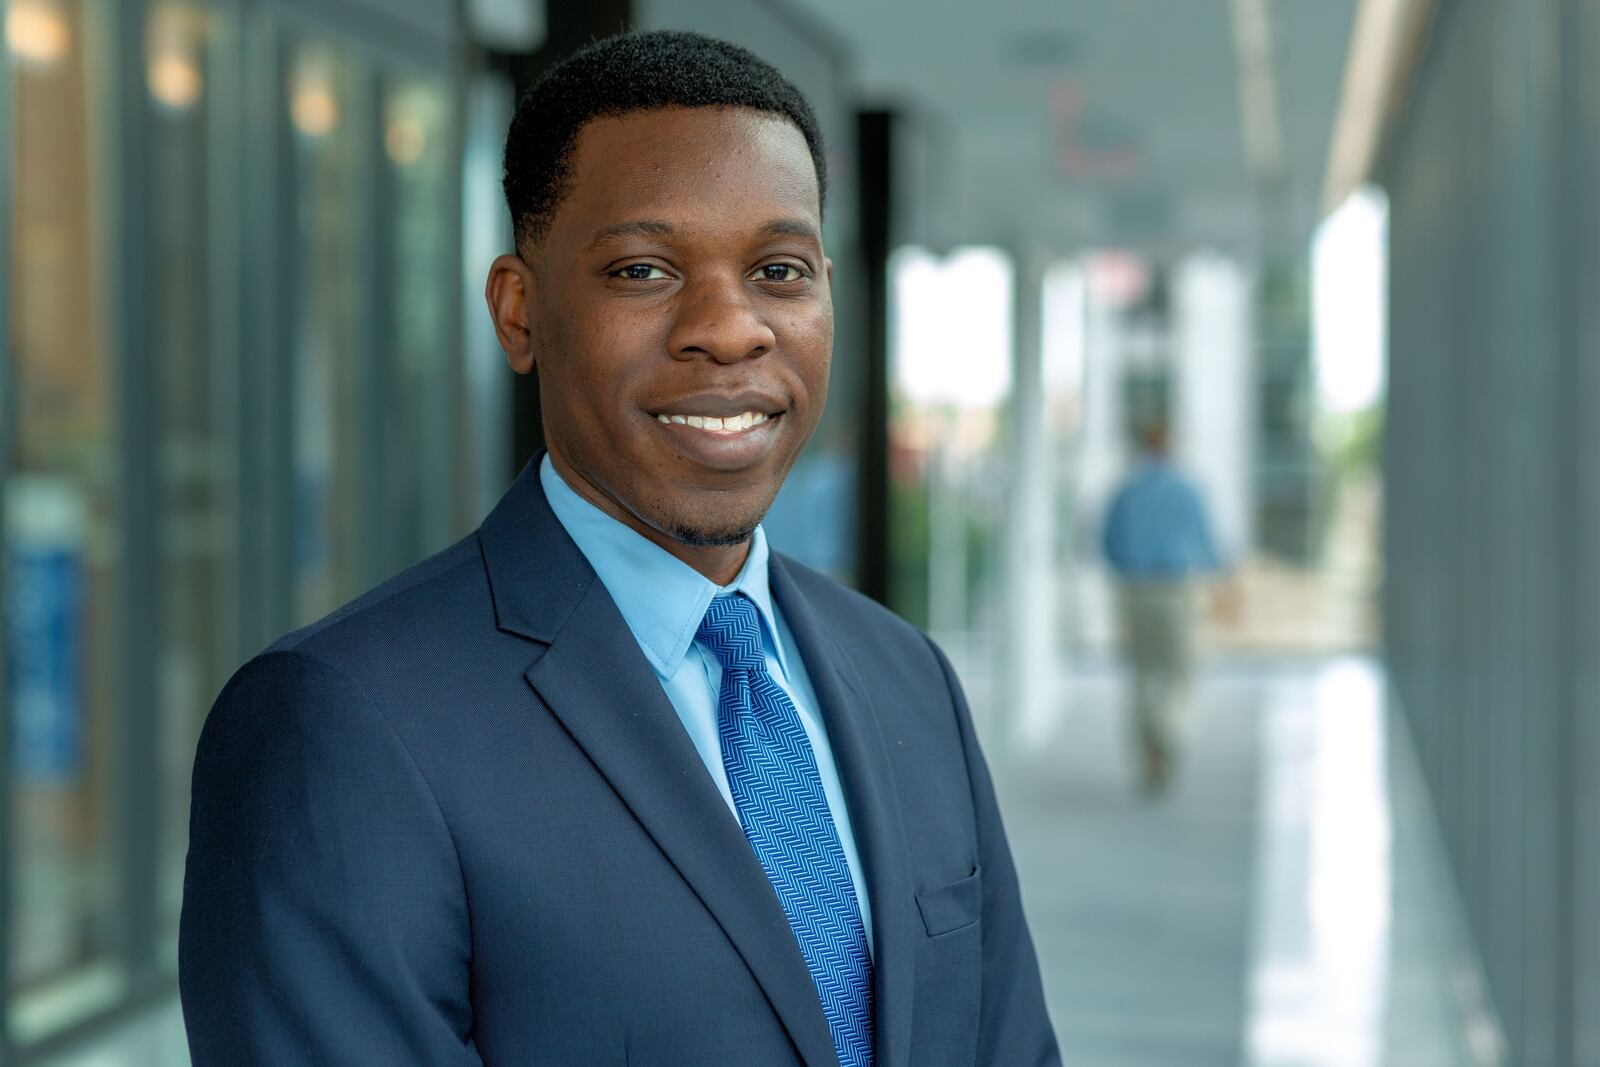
(1213, 391)
(1028, 646)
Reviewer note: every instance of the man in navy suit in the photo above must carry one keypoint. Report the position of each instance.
(607, 781)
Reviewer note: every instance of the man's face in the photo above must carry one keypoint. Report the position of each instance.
(682, 281)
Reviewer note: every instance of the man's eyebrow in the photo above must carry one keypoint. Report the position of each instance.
(791, 228)
(638, 228)
(657, 228)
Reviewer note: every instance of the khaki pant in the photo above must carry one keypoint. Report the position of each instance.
(1158, 637)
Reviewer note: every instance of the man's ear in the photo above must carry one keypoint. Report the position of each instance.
(509, 294)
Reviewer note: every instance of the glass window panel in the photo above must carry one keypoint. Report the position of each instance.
(327, 269)
(486, 391)
(62, 535)
(196, 539)
(420, 382)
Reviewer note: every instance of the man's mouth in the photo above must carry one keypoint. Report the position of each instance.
(726, 432)
(722, 415)
(723, 425)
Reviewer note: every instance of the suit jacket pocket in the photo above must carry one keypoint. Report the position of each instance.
(952, 907)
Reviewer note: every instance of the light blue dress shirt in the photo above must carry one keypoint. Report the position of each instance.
(663, 599)
(1158, 529)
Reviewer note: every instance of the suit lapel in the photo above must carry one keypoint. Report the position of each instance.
(868, 779)
(596, 681)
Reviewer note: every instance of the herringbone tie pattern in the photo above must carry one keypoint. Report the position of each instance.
(778, 792)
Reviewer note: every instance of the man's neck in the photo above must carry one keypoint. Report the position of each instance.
(719, 563)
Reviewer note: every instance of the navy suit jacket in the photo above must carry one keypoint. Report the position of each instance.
(458, 822)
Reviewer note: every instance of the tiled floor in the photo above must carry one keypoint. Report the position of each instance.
(1140, 909)
(1281, 907)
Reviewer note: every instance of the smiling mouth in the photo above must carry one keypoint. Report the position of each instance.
(722, 426)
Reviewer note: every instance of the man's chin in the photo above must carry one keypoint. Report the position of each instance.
(713, 520)
(706, 537)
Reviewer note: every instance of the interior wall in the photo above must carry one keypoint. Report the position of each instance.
(1491, 491)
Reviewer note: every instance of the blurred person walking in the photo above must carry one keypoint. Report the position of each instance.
(1158, 540)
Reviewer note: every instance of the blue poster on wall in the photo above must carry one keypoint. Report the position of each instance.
(45, 535)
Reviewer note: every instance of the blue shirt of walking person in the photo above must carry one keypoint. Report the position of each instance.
(1158, 528)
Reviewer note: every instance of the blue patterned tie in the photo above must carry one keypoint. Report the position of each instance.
(776, 787)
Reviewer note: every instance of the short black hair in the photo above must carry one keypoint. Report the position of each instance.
(633, 72)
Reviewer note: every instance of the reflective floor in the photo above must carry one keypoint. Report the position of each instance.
(1282, 905)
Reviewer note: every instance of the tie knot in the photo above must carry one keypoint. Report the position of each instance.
(732, 631)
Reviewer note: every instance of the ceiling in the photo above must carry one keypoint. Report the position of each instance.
(1107, 123)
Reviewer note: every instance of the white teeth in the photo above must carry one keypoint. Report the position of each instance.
(728, 424)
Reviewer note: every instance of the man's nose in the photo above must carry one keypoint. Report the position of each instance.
(719, 318)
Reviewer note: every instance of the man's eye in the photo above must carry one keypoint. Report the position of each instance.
(640, 272)
(780, 272)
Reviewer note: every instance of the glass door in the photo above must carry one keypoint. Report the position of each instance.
(63, 531)
(230, 295)
(194, 277)
(418, 361)
(329, 272)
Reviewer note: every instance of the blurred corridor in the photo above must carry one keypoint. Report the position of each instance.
(1342, 254)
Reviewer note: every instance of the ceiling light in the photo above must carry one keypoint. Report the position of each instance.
(37, 32)
(173, 45)
(313, 107)
(405, 140)
(1258, 88)
(175, 81)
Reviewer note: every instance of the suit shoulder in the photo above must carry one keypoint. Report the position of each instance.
(282, 715)
(345, 691)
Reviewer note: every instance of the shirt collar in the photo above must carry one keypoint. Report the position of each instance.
(661, 598)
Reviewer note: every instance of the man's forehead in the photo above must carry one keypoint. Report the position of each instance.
(663, 172)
